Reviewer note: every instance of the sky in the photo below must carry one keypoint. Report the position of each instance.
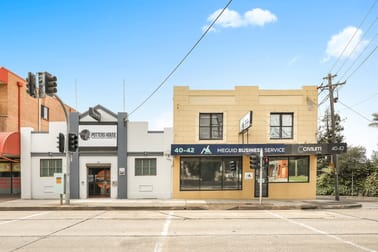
(117, 52)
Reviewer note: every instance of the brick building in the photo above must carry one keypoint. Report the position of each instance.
(18, 109)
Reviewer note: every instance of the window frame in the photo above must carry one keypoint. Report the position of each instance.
(279, 128)
(149, 170)
(290, 168)
(45, 112)
(211, 127)
(202, 176)
(49, 171)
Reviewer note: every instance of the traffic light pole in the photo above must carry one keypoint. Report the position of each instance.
(67, 185)
(261, 176)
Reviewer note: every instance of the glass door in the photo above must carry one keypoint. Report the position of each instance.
(99, 182)
(264, 183)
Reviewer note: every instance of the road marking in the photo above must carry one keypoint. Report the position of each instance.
(320, 232)
(24, 218)
(164, 232)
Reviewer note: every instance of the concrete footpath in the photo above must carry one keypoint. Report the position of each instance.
(16, 204)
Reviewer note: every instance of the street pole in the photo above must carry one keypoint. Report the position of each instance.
(261, 176)
(67, 185)
(331, 88)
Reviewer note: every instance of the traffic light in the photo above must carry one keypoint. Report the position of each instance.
(72, 142)
(254, 161)
(31, 85)
(266, 162)
(50, 84)
(61, 142)
(41, 84)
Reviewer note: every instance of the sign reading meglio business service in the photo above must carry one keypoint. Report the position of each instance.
(98, 135)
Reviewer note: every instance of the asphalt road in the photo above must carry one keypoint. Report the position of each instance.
(240, 230)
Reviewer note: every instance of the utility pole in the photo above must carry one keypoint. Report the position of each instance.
(331, 87)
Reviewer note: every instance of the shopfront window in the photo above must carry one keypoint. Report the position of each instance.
(50, 166)
(288, 169)
(210, 173)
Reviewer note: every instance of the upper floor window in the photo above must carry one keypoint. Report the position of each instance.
(44, 112)
(281, 125)
(211, 126)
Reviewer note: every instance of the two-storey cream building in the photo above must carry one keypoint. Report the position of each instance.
(216, 131)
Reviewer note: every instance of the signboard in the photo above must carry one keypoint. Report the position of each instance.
(316, 149)
(97, 135)
(246, 149)
(59, 179)
(248, 175)
(245, 122)
(226, 149)
(122, 171)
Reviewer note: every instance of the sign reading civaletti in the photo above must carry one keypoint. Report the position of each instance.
(98, 135)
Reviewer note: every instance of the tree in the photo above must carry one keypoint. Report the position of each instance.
(371, 183)
(325, 129)
(325, 180)
(325, 136)
(375, 120)
(353, 170)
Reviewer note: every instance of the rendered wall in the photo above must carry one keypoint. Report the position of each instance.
(234, 104)
(149, 144)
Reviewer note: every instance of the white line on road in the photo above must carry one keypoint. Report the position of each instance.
(320, 232)
(164, 232)
(24, 218)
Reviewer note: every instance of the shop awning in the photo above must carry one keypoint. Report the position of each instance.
(9, 144)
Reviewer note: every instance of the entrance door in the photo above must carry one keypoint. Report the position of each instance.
(99, 182)
(264, 183)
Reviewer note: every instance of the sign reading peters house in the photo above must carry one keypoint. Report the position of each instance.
(98, 135)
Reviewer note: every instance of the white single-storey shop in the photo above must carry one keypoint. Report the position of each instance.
(115, 158)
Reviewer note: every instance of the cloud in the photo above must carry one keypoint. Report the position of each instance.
(259, 17)
(341, 45)
(232, 19)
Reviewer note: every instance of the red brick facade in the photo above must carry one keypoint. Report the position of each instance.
(18, 109)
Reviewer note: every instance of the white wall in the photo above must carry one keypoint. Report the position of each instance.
(43, 145)
(34, 147)
(26, 167)
(141, 141)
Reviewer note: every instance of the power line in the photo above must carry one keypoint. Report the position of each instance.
(371, 53)
(183, 59)
(366, 99)
(359, 43)
(354, 34)
(355, 111)
(358, 57)
(324, 100)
